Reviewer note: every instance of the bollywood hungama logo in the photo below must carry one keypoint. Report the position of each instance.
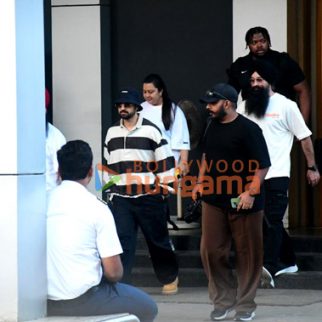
(221, 184)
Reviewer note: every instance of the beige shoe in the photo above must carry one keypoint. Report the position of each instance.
(171, 288)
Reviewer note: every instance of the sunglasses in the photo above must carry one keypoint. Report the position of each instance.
(213, 94)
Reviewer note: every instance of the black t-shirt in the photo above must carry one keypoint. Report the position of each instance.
(288, 71)
(233, 152)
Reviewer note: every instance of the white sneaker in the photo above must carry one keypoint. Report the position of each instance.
(267, 280)
(288, 269)
(244, 316)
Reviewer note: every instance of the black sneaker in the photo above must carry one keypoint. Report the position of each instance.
(244, 316)
(219, 314)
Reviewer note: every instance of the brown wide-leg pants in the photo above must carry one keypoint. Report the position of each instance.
(219, 228)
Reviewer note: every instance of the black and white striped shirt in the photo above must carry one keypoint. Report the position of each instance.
(140, 156)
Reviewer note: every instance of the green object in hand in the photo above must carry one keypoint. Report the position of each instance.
(234, 202)
(114, 180)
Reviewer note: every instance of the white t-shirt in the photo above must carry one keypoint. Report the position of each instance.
(280, 124)
(80, 231)
(178, 133)
(54, 141)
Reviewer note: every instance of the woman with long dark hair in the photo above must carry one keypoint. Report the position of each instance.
(163, 112)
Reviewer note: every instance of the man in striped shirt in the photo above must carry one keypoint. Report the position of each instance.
(135, 151)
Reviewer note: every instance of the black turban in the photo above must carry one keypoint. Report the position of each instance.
(265, 69)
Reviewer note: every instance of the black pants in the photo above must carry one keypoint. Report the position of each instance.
(149, 213)
(278, 248)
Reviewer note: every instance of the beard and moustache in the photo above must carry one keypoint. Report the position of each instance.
(257, 101)
(126, 115)
(220, 114)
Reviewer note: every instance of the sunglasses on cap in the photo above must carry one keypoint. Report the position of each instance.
(214, 94)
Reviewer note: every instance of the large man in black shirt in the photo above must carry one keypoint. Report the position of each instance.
(234, 163)
(290, 80)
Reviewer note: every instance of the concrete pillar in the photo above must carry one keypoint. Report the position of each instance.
(22, 164)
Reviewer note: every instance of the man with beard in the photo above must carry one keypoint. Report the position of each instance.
(135, 150)
(235, 160)
(290, 80)
(280, 121)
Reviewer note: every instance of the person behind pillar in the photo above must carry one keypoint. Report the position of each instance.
(280, 120)
(234, 163)
(290, 80)
(136, 151)
(83, 246)
(54, 141)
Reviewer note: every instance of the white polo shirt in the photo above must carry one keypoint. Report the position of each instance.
(282, 121)
(80, 231)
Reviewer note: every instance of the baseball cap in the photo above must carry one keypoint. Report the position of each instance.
(130, 96)
(221, 91)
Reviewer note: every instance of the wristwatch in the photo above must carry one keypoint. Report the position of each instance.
(312, 168)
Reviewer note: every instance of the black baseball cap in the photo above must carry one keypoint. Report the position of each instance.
(130, 96)
(221, 91)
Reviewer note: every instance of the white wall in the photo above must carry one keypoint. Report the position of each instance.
(271, 14)
(77, 72)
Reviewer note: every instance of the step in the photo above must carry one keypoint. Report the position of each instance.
(191, 259)
(195, 277)
(308, 261)
(301, 280)
(188, 277)
(189, 239)
(307, 244)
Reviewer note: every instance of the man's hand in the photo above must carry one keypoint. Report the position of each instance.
(313, 177)
(246, 201)
(184, 168)
(197, 190)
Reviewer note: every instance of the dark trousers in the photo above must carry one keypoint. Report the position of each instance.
(219, 229)
(278, 247)
(149, 213)
(107, 299)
